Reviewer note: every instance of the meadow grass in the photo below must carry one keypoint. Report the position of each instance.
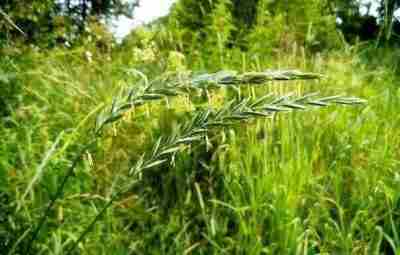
(321, 181)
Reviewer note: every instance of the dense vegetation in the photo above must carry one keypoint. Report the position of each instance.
(155, 146)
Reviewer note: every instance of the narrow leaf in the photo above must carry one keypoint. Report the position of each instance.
(154, 164)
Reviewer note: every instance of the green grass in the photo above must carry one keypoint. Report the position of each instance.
(321, 181)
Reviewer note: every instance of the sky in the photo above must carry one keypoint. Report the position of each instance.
(374, 6)
(148, 10)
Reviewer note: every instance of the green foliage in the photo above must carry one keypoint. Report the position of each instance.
(219, 31)
(48, 23)
(258, 26)
(244, 12)
(187, 23)
(305, 23)
(32, 17)
(192, 15)
(10, 86)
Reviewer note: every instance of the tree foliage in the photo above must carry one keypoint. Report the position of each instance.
(52, 21)
(255, 24)
(245, 12)
(316, 24)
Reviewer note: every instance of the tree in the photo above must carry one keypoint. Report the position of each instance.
(367, 26)
(245, 12)
(219, 30)
(389, 24)
(40, 19)
(97, 8)
(31, 16)
(188, 21)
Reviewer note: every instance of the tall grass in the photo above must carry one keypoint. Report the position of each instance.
(309, 182)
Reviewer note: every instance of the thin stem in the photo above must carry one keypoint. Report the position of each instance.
(96, 219)
(90, 226)
(9, 20)
(57, 195)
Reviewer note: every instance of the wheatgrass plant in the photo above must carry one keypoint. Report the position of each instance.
(174, 86)
(325, 182)
(165, 149)
(186, 82)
